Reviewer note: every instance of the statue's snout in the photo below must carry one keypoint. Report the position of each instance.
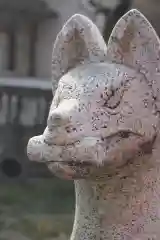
(62, 115)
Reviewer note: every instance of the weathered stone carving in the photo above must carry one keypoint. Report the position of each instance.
(103, 127)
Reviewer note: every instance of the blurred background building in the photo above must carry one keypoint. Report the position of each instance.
(27, 31)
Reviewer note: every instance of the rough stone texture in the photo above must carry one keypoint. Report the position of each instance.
(103, 127)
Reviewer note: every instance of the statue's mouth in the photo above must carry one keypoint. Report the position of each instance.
(72, 167)
(40, 149)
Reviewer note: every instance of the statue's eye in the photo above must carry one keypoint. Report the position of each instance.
(113, 98)
(124, 134)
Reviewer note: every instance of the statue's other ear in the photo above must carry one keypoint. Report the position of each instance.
(78, 42)
(134, 43)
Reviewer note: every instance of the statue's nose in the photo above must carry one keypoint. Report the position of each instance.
(62, 114)
(57, 118)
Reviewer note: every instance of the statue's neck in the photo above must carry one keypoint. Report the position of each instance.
(115, 209)
(87, 220)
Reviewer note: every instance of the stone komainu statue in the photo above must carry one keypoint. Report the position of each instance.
(103, 127)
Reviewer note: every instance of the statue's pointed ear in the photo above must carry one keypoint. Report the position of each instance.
(134, 42)
(78, 42)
